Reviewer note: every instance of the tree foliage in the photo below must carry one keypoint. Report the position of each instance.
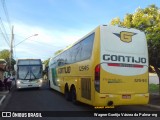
(5, 54)
(46, 62)
(57, 52)
(147, 20)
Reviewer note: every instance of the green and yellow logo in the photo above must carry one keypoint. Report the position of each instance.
(125, 36)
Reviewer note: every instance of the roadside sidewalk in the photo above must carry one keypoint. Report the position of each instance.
(3, 95)
(154, 100)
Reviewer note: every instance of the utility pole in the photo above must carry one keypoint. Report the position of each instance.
(11, 51)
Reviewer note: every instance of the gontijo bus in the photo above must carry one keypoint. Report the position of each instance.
(108, 66)
(28, 73)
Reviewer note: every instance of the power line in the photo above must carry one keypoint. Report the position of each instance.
(4, 37)
(6, 13)
(47, 44)
(4, 31)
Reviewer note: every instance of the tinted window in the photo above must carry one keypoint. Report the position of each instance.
(80, 51)
(87, 45)
(29, 72)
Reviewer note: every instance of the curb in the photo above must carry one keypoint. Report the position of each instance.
(156, 94)
(153, 106)
(4, 92)
(4, 96)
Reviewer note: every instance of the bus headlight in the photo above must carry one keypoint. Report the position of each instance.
(18, 82)
(40, 81)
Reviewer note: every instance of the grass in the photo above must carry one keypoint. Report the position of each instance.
(153, 88)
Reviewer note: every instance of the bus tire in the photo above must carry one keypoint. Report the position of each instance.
(49, 84)
(67, 93)
(73, 95)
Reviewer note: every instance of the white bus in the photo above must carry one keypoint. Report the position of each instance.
(28, 73)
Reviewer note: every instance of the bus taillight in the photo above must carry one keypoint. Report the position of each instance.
(97, 78)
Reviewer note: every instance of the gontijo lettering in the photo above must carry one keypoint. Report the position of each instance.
(121, 58)
(64, 70)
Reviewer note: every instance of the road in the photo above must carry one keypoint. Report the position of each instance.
(44, 99)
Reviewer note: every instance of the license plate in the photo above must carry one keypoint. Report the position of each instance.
(126, 96)
(29, 85)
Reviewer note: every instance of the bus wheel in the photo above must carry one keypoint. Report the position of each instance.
(73, 95)
(49, 84)
(67, 94)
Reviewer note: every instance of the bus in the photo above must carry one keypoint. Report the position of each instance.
(28, 73)
(107, 67)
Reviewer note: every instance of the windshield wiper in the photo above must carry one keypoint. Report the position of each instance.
(26, 75)
(33, 74)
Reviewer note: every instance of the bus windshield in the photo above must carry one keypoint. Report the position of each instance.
(29, 72)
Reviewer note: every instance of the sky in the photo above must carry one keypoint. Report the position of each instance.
(58, 23)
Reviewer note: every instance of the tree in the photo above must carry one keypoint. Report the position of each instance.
(5, 54)
(116, 21)
(57, 52)
(147, 20)
(46, 62)
(45, 71)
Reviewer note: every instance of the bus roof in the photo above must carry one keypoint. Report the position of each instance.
(29, 62)
(28, 59)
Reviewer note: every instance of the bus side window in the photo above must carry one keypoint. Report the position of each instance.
(87, 45)
(78, 50)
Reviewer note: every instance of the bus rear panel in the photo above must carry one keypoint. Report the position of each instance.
(121, 77)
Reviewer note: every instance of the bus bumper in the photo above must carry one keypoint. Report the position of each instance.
(22, 85)
(121, 99)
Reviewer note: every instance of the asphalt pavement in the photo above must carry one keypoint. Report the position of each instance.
(154, 100)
